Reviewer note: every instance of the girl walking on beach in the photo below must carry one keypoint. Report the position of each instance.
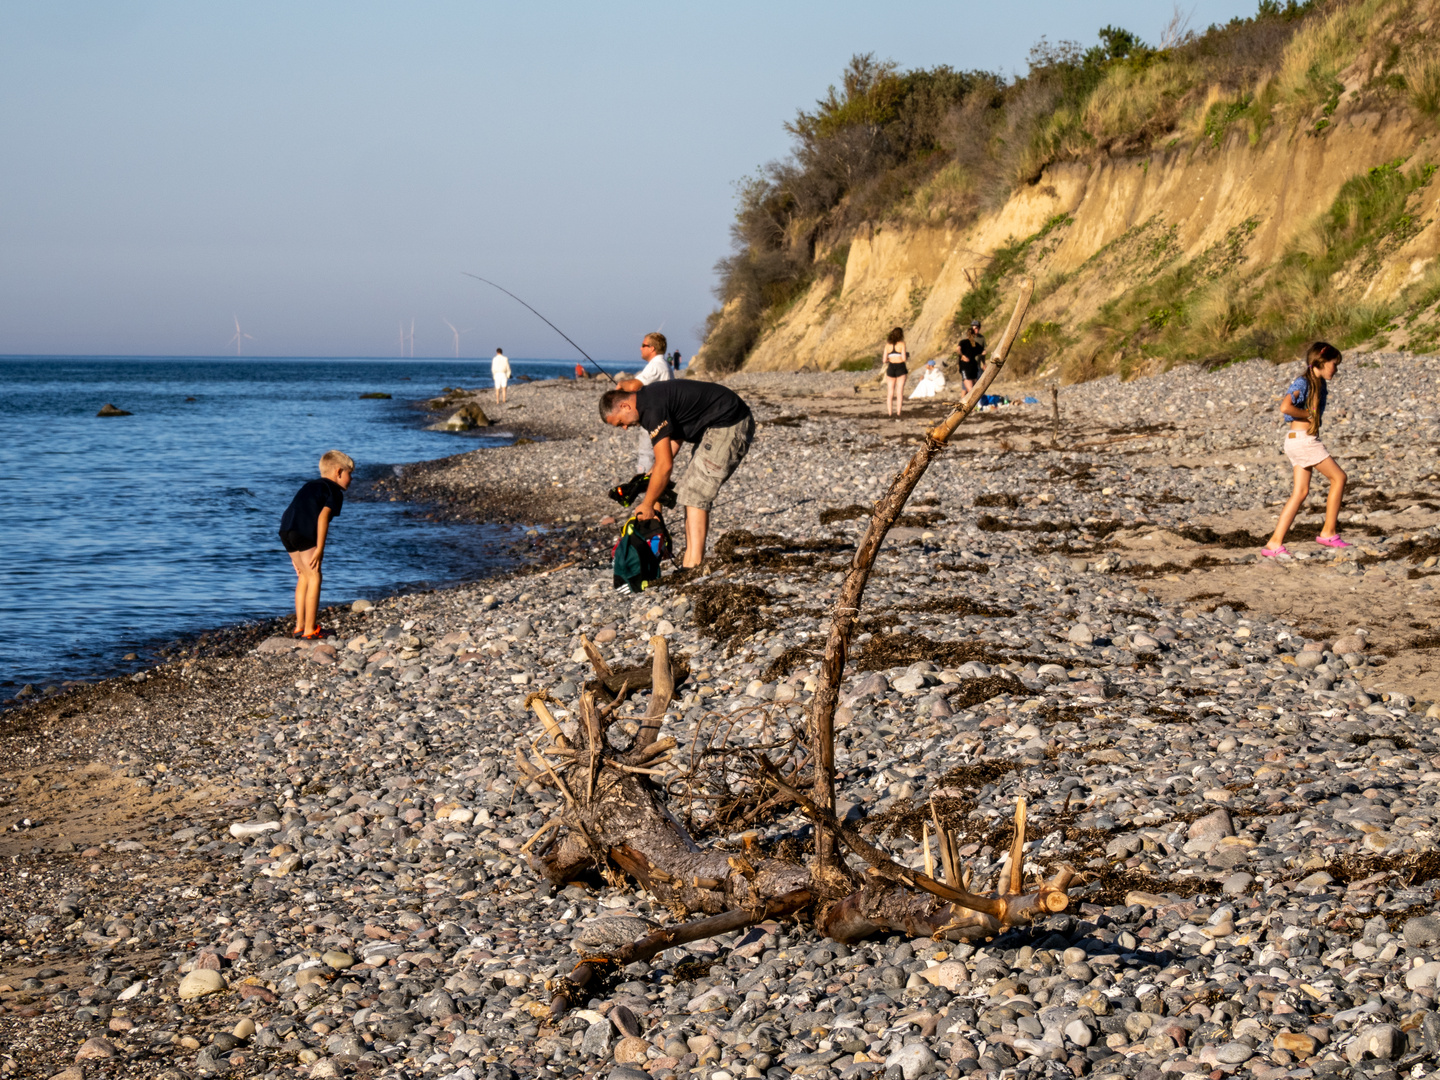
(1304, 404)
(896, 370)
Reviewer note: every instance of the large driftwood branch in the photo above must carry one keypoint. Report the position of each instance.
(964, 914)
(847, 607)
(564, 990)
(662, 690)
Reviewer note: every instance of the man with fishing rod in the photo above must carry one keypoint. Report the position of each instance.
(713, 418)
(675, 411)
(657, 369)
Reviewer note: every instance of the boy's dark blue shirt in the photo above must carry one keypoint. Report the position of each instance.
(303, 514)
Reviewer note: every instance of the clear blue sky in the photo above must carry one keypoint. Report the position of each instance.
(324, 171)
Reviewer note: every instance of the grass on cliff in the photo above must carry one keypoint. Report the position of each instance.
(1213, 308)
(944, 145)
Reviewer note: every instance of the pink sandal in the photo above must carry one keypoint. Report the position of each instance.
(1270, 554)
(1332, 541)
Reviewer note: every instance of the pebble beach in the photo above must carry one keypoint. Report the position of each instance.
(257, 859)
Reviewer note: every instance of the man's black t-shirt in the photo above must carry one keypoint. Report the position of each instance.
(302, 516)
(685, 409)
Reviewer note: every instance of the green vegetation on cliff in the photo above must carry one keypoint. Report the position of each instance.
(943, 147)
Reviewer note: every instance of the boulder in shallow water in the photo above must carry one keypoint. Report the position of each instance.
(463, 419)
(110, 410)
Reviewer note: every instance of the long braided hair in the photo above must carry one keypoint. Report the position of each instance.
(1321, 352)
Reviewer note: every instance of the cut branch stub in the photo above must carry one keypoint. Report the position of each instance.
(847, 607)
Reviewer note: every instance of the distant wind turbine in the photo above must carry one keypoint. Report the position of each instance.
(412, 337)
(457, 334)
(239, 337)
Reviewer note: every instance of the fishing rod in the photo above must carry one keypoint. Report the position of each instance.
(542, 318)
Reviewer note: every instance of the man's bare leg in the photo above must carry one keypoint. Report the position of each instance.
(697, 522)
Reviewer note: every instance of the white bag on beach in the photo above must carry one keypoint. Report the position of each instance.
(930, 385)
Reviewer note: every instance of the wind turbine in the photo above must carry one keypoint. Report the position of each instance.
(239, 337)
(457, 334)
(412, 337)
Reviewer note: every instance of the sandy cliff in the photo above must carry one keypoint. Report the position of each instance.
(1128, 219)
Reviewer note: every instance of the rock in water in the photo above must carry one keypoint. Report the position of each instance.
(110, 410)
(463, 419)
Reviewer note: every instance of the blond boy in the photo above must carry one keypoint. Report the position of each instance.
(303, 529)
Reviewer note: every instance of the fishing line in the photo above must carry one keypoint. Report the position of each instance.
(542, 318)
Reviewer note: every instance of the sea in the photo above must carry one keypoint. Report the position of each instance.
(118, 534)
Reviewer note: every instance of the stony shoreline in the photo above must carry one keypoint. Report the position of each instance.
(307, 862)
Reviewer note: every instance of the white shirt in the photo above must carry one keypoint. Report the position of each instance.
(657, 370)
(500, 366)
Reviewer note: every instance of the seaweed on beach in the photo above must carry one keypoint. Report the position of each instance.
(1110, 886)
(785, 663)
(965, 567)
(998, 498)
(843, 513)
(771, 552)
(959, 606)
(900, 650)
(728, 611)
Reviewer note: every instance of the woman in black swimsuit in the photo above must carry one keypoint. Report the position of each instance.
(896, 370)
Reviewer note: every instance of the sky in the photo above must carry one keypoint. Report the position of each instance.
(324, 172)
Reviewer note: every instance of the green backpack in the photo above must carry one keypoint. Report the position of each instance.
(640, 553)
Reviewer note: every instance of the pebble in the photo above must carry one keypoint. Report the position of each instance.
(199, 983)
(912, 1060)
(94, 1049)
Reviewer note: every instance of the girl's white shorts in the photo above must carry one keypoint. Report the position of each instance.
(1304, 451)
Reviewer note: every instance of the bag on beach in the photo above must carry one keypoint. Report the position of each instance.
(640, 553)
(632, 490)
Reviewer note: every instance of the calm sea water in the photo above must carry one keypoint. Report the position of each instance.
(118, 532)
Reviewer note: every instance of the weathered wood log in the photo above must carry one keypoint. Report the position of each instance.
(622, 819)
(565, 989)
(846, 612)
(619, 685)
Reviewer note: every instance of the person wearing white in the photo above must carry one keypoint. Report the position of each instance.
(500, 372)
(930, 384)
(657, 369)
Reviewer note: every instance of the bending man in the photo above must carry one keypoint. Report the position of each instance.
(708, 415)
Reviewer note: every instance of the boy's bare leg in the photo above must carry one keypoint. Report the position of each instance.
(299, 591)
(697, 522)
(307, 589)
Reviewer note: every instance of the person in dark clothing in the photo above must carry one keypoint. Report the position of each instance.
(711, 417)
(304, 527)
(971, 354)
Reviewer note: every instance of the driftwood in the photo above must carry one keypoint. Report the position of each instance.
(847, 607)
(616, 819)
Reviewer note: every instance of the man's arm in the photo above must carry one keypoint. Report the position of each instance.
(629, 385)
(659, 477)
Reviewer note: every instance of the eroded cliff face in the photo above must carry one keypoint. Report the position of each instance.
(1099, 229)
